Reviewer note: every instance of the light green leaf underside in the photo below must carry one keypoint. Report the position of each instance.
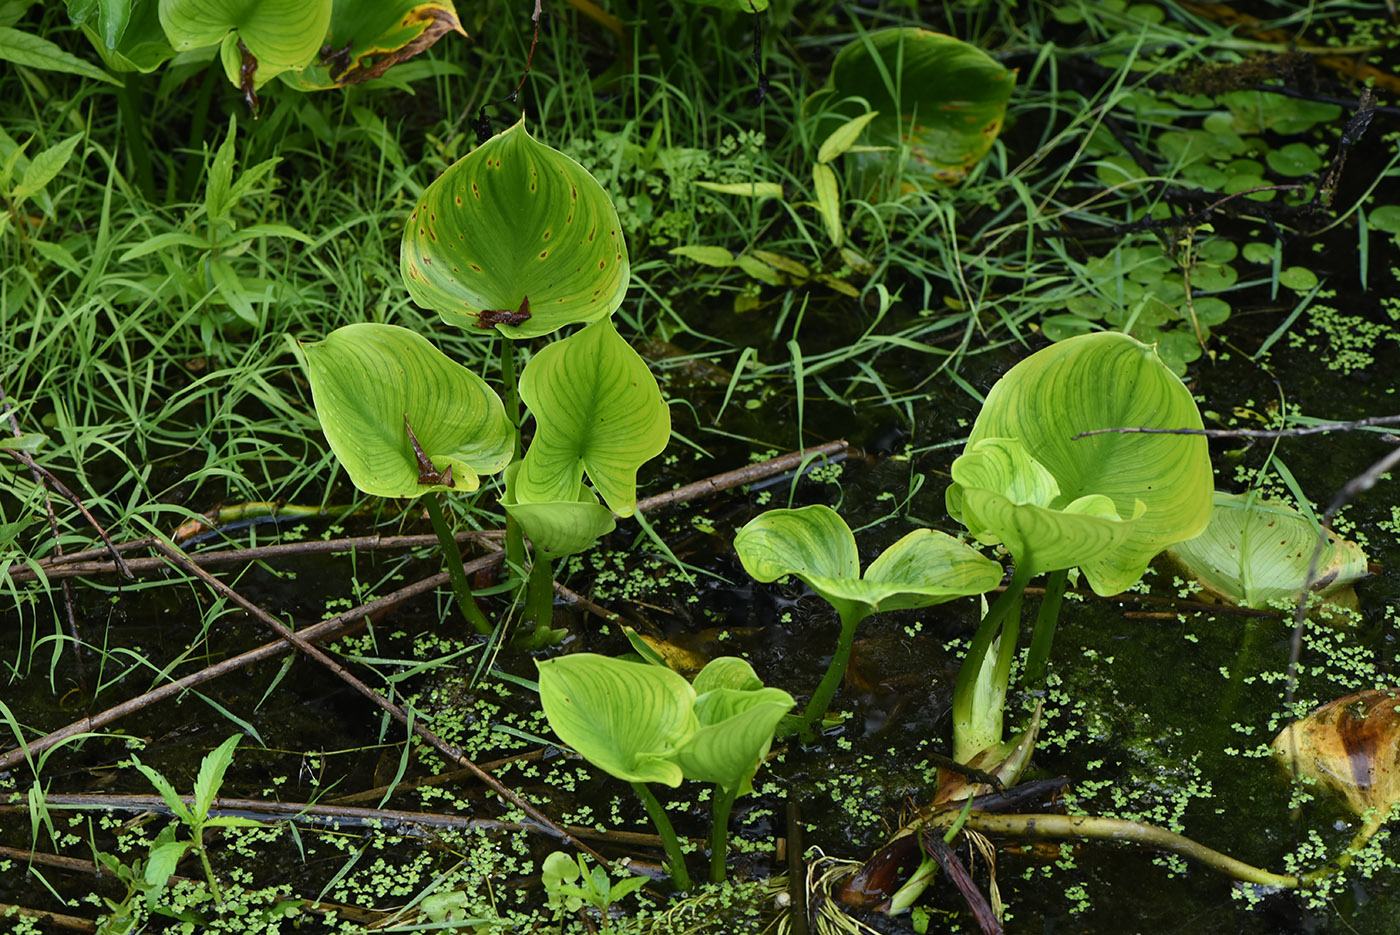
(598, 410)
(559, 527)
(515, 220)
(952, 96)
(815, 544)
(626, 718)
(1257, 550)
(1098, 381)
(1004, 495)
(366, 377)
(736, 730)
(726, 672)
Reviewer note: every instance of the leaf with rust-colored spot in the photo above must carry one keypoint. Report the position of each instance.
(514, 218)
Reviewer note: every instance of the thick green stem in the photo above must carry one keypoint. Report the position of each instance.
(1114, 829)
(679, 875)
(208, 868)
(964, 693)
(719, 831)
(515, 538)
(129, 106)
(539, 595)
(1045, 621)
(834, 674)
(452, 558)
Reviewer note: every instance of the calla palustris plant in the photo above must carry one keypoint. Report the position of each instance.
(642, 723)
(599, 412)
(815, 544)
(516, 237)
(1258, 550)
(951, 97)
(1105, 503)
(404, 420)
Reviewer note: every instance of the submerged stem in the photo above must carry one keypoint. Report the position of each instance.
(835, 672)
(1115, 829)
(719, 831)
(679, 875)
(452, 558)
(1045, 620)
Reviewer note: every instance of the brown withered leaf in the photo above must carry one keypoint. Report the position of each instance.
(1350, 746)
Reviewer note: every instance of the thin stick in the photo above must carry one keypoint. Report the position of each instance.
(449, 751)
(744, 475)
(325, 630)
(75, 563)
(1251, 433)
(24, 458)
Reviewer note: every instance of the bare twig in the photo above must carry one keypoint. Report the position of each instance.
(1251, 433)
(75, 563)
(449, 751)
(325, 630)
(24, 458)
(744, 475)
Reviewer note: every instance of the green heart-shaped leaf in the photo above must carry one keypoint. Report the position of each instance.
(1005, 495)
(1257, 550)
(737, 717)
(626, 718)
(513, 229)
(598, 409)
(367, 37)
(943, 97)
(559, 527)
(366, 378)
(1095, 381)
(815, 544)
(281, 34)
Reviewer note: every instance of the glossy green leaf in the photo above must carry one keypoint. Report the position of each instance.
(515, 227)
(281, 34)
(366, 377)
(211, 775)
(815, 544)
(737, 717)
(1257, 550)
(368, 37)
(598, 410)
(942, 96)
(559, 527)
(110, 17)
(1096, 381)
(626, 718)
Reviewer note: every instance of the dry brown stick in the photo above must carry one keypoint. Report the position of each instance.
(24, 458)
(439, 779)
(78, 563)
(449, 751)
(324, 814)
(71, 565)
(326, 629)
(744, 475)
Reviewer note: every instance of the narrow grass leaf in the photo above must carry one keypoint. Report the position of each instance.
(21, 48)
(828, 202)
